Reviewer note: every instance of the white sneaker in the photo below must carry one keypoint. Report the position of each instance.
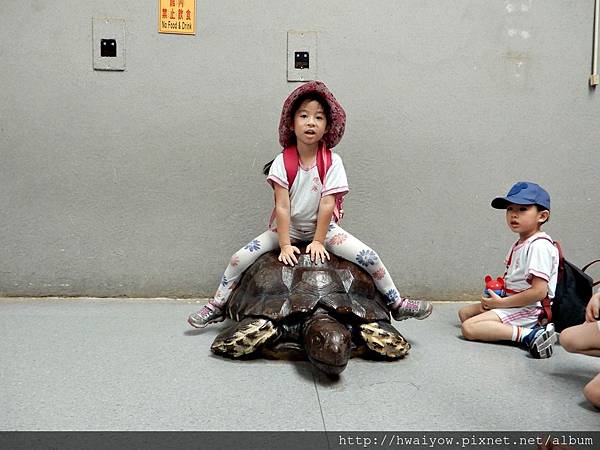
(541, 345)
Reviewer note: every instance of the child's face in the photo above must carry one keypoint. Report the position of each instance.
(310, 123)
(525, 219)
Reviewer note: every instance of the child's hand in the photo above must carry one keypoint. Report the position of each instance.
(592, 312)
(491, 302)
(287, 255)
(317, 251)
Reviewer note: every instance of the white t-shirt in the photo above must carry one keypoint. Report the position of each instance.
(307, 190)
(529, 259)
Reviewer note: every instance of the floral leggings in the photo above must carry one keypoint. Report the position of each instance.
(337, 241)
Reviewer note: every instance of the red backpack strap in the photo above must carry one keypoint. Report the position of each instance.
(512, 250)
(546, 316)
(323, 163)
(290, 161)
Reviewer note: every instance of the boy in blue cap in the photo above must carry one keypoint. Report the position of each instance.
(530, 278)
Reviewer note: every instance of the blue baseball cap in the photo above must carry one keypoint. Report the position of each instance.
(524, 193)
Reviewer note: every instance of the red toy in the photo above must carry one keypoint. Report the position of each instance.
(496, 285)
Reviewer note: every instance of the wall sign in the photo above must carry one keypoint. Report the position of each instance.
(177, 16)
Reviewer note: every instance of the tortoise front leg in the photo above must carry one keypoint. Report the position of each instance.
(244, 338)
(383, 339)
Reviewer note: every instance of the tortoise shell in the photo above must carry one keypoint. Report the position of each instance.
(275, 291)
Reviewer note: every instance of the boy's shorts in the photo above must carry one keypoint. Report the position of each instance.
(527, 316)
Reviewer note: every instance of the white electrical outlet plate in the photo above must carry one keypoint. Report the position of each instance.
(108, 40)
(301, 55)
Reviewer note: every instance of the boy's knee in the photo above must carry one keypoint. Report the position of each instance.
(468, 331)
(467, 312)
(592, 391)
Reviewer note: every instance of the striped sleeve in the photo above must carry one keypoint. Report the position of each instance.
(277, 173)
(541, 255)
(335, 180)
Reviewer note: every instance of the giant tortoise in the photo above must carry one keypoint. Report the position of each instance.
(325, 311)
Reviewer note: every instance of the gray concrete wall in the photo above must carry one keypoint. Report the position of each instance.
(144, 182)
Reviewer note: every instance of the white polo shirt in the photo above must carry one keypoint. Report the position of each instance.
(529, 259)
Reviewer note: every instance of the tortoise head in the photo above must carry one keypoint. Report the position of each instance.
(327, 343)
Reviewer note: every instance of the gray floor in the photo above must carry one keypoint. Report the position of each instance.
(123, 364)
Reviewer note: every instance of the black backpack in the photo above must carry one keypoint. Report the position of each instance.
(572, 293)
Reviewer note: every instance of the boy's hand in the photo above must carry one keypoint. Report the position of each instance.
(592, 312)
(287, 255)
(491, 302)
(317, 251)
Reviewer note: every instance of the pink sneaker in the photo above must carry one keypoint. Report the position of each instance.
(407, 308)
(207, 315)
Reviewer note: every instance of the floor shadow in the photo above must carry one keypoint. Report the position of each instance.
(497, 343)
(322, 379)
(588, 406)
(194, 332)
(209, 330)
(577, 379)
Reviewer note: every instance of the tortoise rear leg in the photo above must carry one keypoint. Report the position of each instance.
(244, 338)
(383, 339)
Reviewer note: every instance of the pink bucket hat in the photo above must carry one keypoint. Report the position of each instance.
(337, 119)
